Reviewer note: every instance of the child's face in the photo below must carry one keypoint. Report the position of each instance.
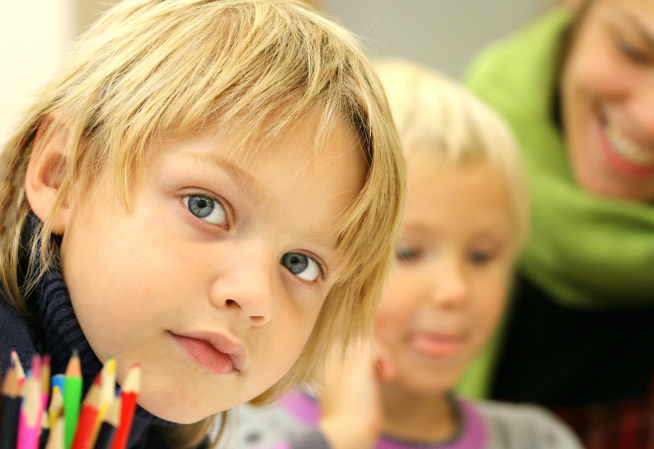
(217, 257)
(450, 281)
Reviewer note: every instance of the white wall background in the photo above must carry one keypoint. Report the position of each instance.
(443, 34)
(35, 35)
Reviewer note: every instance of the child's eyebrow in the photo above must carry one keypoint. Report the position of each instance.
(245, 180)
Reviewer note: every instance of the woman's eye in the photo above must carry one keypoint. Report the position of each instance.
(301, 265)
(206, 209)
(407, 255)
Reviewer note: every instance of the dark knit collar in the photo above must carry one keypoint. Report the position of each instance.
(58, 332)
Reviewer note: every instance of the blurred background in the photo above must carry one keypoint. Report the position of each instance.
(35, 35)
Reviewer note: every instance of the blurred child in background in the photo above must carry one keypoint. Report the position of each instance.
(465, 223)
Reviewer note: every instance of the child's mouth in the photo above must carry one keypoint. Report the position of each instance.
(216, 352)
(433, 345)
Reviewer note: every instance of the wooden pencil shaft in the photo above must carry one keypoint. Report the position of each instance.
(17, 365)
(56, 440)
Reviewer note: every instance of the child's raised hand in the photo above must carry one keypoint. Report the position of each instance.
(350, 400)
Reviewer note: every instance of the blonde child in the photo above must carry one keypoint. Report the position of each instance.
(209, 189)
(465, 223)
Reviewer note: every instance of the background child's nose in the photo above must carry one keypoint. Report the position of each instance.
(450, 286)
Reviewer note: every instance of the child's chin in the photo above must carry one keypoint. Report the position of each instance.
(175, 409)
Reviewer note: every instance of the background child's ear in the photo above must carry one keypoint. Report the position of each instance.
(46, 171)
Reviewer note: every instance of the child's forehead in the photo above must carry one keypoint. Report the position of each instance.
(309, 138)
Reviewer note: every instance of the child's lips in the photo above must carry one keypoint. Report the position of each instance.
(437, 345)
(218, 353)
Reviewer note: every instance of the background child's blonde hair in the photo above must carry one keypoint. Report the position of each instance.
(149, 68)
(435, 114)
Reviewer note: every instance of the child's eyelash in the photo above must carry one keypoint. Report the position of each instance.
(321, 268)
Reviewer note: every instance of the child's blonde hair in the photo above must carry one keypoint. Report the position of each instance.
(149, 68)
(435, 114)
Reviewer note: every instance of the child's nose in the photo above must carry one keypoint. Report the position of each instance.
(451, 286)
(247, 285)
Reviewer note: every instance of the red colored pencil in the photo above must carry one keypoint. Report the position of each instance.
(129, 394)
(87, 417)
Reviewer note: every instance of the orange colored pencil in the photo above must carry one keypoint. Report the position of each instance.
(45, 381)
(87, 417)
(129, 395)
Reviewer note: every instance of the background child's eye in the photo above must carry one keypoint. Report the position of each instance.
(480, 257)
(632, 52)
(206, 209)
(301, 265)
(407, 255)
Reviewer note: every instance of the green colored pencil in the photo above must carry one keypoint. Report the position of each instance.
(72, 398)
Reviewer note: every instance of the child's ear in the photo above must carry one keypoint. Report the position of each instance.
(46, 171)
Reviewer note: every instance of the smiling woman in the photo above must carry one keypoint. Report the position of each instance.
(577, 87)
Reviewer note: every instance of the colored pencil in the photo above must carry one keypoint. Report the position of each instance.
(89, 414)
(56, 440)
(58, 380)
(109, 425)
(45, 381)
(45, 431)
(15, 362)
(131, 388)
(72, 397)
(56, 406)
(108, 391)
(10, 410)
(28, 422)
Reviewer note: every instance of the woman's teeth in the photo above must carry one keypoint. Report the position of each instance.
(626, 148)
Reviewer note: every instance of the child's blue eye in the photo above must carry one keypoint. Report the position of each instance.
(301, 265)
(206, 209)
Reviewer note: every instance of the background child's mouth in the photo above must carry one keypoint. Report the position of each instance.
(433, 345)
